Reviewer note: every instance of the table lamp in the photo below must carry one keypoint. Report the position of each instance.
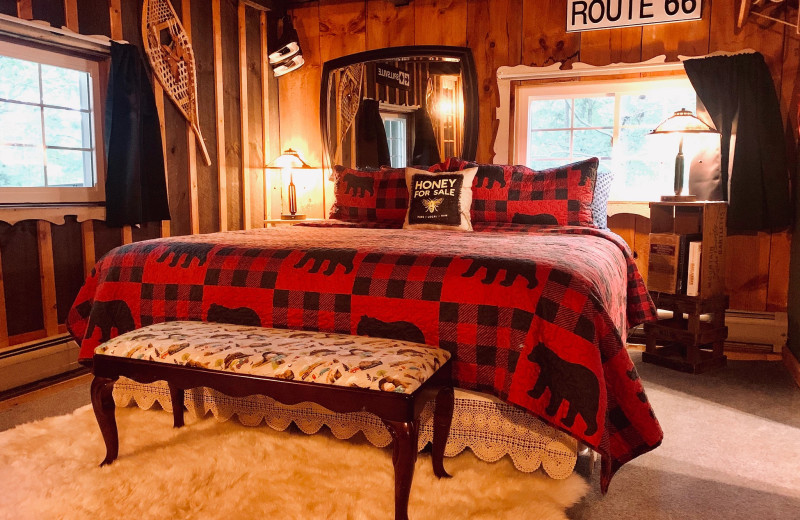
(681, 122)
(287, 162)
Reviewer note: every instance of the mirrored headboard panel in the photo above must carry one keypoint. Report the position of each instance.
(400, 106)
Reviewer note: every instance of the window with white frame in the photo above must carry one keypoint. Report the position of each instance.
(50, 127)
(396, 133)
(566, 122)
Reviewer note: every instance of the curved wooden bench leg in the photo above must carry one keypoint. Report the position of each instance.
(176, 396)
(104, 408)
(442, 419)
(404, 455)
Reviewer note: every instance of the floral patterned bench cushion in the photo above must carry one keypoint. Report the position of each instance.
(316, 357)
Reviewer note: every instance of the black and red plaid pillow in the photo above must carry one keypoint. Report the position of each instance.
(558, 196)
(370, 195)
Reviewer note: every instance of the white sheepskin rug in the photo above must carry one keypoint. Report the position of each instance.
(223, 470)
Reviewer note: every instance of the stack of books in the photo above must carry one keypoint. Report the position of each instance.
(674, 263)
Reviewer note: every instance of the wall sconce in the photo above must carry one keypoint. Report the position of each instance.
(287, 163)
(681, 122)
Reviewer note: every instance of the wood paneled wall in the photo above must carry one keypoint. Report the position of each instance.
(42, 265)
(531, 32)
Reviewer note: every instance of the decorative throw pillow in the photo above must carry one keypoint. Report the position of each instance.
(558, 196)
(602, 191)
(439, 200)
(370, 195)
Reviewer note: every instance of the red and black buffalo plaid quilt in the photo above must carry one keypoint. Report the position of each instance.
(537, 317)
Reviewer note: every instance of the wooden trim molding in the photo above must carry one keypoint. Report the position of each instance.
(191, 143)
(792, 364)
(71, 14)
(53, 214)
(47, 276)
(219, 93)
(25, 9)
(3, 319)
(87, 243)
(245, 122)
(115, 16)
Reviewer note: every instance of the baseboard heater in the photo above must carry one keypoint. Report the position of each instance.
(748, 331)
(37, 360)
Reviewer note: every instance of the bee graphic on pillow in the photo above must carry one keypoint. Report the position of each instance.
(432, 204)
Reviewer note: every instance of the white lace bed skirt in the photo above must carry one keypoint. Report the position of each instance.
(483, 423)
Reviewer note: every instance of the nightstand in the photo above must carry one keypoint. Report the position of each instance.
(692, 339)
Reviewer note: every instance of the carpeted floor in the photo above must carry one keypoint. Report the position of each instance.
(731, 448)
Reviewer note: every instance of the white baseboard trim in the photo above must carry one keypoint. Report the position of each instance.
(29, 367)
(767, 330)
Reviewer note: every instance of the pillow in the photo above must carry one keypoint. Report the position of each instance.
(602, 191)
(439, 200)
(369, 195)
(558, 196)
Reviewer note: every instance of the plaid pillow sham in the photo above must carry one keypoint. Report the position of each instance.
(370, 195)
(558, 196)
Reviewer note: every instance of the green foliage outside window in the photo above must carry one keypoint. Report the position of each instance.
(46, 136)
(577, 127)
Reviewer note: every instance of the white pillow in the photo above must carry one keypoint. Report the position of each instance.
(439, 200)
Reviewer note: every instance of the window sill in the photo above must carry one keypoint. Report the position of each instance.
(641, 208)
(53, 213)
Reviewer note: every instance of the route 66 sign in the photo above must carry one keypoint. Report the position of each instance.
(588, 15)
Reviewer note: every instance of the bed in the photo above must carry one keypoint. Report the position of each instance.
(534, 316)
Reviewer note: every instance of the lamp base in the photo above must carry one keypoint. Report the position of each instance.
(678, 198)
(296, 216)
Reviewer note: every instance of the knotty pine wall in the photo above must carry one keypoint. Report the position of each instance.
(44, 264)
(531, 32)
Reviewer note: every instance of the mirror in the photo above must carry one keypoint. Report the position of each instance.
(399, 107)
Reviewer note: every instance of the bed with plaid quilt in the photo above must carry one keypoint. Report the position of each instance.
(535, 316)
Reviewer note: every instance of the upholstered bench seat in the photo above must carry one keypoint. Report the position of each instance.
(295, 355)
(390, 378)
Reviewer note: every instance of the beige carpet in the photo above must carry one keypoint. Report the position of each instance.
(212, 470)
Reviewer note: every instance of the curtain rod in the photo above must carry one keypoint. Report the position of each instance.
(44, 33)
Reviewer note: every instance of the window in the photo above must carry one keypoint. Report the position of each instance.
(395, 126)
(610, 120)
(50, 132)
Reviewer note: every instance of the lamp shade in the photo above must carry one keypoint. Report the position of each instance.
(289, 159)
(683, 121)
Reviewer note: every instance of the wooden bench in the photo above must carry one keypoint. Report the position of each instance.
(392, 379)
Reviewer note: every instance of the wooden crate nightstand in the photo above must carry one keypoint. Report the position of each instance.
(686, 341)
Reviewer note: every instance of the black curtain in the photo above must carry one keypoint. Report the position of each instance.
(136, 188)
(426, 151)
(372, 148)
(740, 98)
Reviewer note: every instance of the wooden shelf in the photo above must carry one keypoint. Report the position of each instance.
(674, 356)
(689, 304)
(677, 329)
(689, 344)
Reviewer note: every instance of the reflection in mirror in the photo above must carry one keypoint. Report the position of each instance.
(399, 109)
